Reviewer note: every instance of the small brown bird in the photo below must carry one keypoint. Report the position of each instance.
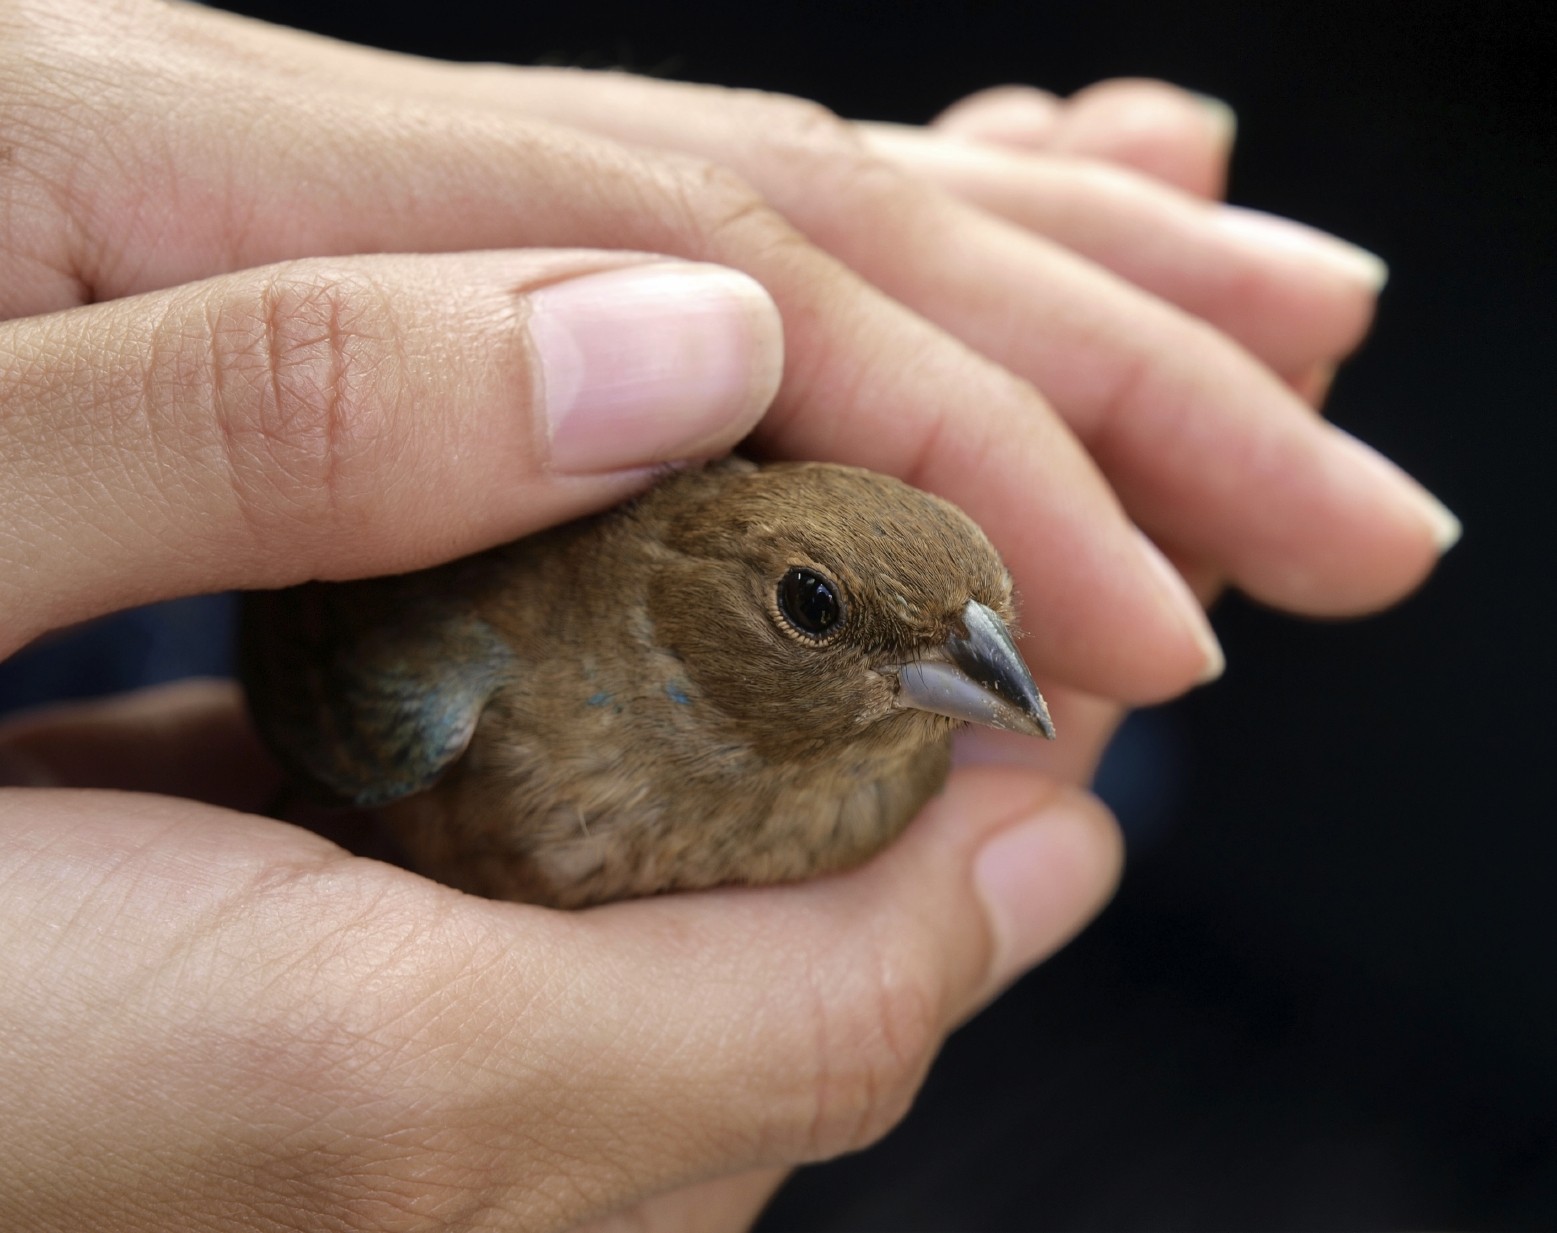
(748, 674)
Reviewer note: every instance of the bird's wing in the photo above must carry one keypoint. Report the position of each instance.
(365, 694)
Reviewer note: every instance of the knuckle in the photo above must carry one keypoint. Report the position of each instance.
(715, 202)
(304, 377)
(872, 1048)
(803, 143)
(816, 169)
(802, 138)
(795, 160)
(785, 122)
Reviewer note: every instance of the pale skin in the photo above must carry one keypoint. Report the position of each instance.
(1033, 307)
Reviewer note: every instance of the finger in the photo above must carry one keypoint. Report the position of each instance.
(1022, 117)
(472, 1062)
(188, 739)
(866, 382)
(1312, 385)
(1171, 135)
(1293, 296)
(1085, 723)
(1207, 448)
(346, 417)
(723, 1205)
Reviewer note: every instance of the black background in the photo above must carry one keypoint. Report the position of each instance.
(1325, 995)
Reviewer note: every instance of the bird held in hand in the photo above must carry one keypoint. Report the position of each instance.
(748, 674)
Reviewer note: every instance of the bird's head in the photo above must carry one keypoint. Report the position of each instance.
(814, 604)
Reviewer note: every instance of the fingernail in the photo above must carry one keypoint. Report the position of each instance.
(1040, 880)
(1281, 235)
(653, 363)
(1221, 114)
(1441, 523)
(1191, 615)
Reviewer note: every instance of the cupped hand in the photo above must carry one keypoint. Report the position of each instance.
(159, 146)
(214, 377)
(215, 1020)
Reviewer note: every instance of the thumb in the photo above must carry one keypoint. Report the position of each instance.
(341, 417)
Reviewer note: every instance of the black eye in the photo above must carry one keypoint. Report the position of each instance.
(809, 602)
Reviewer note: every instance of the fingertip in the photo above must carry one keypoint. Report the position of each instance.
(1423, 516)
(1084, 724)
(1180, 603)
(1124, 626)
(1022, 117)
(1171, 134)
(1180, 137)
(1444, 525)
(1220, 115)
(1041, 878)
(1395, 533)
(1007, 865)
(1270, 234)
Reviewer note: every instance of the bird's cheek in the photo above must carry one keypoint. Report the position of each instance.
(878, 696)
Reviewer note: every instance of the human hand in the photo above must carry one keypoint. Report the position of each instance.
(123, 486)
(302, 147)
(214, 1020)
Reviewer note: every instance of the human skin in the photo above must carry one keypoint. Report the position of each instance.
(276, 309)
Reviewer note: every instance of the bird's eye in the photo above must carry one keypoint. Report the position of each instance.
(809, 602)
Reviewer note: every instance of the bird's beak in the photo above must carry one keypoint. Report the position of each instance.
(982, 679)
